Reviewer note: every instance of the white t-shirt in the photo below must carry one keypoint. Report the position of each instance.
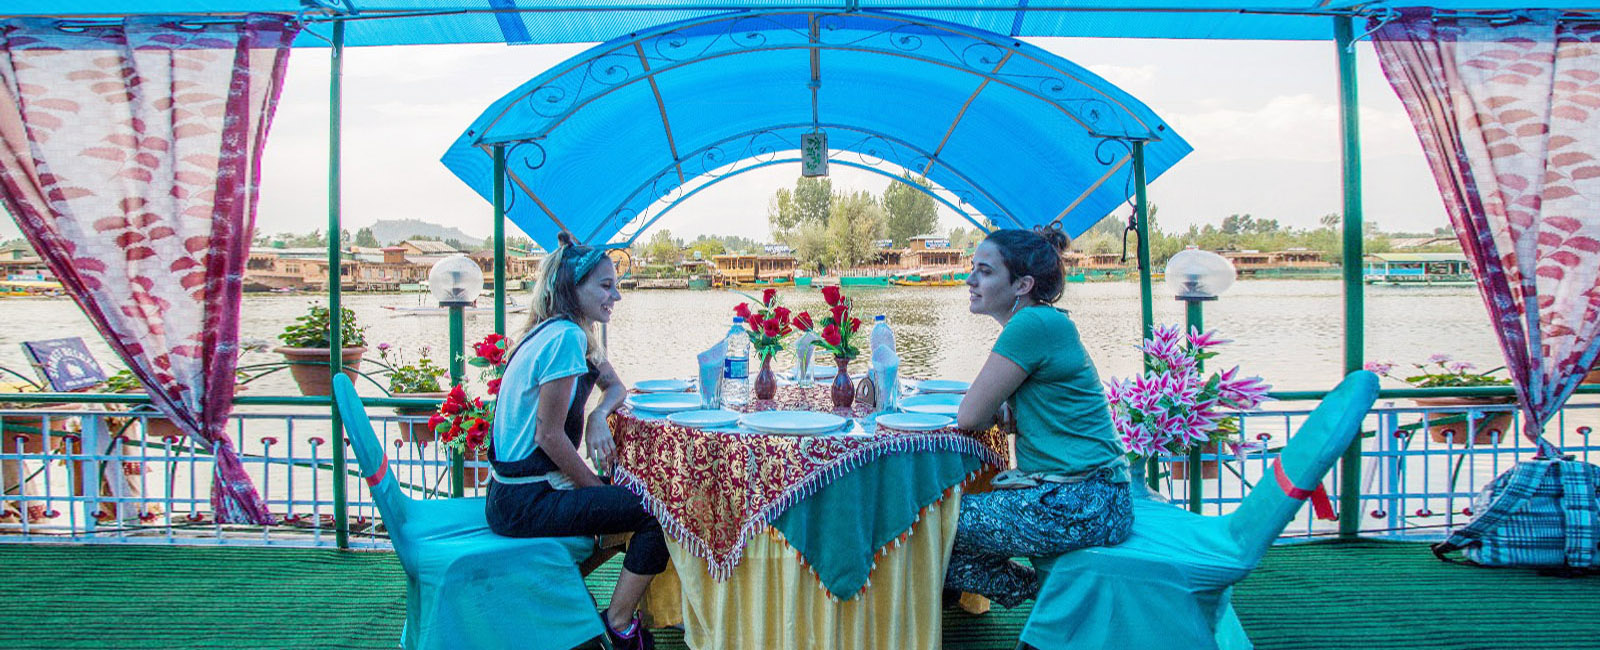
(557, 350)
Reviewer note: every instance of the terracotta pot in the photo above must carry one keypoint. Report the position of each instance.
(30, 429)
(1593, 377)
(843, 391)
(417, 431)
(159, 428)
(766, 382)
(309, 366)
(1488, 427)
(1208, 467)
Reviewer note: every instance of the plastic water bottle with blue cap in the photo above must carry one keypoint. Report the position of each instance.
(736, 366)
(883, 336)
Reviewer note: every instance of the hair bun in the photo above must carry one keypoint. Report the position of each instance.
(564, 238)
(1053, 235)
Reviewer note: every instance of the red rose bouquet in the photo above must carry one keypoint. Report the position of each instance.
(768, 324)
(839, 327)
(463, 423)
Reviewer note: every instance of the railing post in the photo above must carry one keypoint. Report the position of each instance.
(1354, 309)
(458, 372)
(341, 509)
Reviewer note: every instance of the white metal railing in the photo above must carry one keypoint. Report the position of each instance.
(154, 486)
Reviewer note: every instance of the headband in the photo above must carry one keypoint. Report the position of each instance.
(586, 263)
(581, 267)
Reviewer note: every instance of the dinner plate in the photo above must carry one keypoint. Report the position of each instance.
(792, 422)
(704, 418)
(664, 402)
(662, 386)
(914, 421)
(943, 386)
(936, 404)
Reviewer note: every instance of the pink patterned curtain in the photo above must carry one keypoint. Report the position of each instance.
(130, 159)
(1507, 109)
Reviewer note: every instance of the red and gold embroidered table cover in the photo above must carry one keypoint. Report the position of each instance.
(712, 491)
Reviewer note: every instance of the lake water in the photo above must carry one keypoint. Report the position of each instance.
(1288, 332)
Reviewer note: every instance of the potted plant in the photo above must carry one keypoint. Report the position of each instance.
(306, 348)
(1172, 406)
(156, 427)
(29, 428)
(1451, 426)
(839, 330)
(418, 378)
(769, 324)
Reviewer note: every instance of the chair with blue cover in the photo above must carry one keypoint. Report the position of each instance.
(467, 587)
(1170, 584)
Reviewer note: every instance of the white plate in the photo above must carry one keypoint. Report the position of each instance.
(664, 402)
(662, 386)
(943, 386)
(792, 422)
(914, 421)
(704, 419)
(936, 404)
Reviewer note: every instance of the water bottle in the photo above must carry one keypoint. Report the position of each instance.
(736, 366)
(881, 335)
(888, 396)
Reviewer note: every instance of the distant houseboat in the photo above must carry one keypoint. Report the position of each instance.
(1417, 268)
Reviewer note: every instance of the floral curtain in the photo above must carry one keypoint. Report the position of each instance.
(130, 156)
(1506, 108)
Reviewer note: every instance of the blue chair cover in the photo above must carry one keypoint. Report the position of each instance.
(1169, 585)
(467, 587)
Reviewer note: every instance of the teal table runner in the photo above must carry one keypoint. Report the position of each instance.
(839, 529)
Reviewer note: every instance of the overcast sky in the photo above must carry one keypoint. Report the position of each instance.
(1262, 117)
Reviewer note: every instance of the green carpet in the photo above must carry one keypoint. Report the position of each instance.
(1327, 595)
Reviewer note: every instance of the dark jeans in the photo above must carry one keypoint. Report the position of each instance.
(537, 510)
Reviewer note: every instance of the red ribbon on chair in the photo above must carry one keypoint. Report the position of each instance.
(377, 477)
(1321, 505)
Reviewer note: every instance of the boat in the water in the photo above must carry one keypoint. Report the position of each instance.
(949, 279)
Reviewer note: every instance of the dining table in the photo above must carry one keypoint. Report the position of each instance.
(831, 541)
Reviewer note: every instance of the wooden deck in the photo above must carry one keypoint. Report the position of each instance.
(1309, 596)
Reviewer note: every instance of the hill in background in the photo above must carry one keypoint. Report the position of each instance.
(390, 231)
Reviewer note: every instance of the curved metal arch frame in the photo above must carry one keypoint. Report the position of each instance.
(867, 134)
(696, 190)
(628, 54)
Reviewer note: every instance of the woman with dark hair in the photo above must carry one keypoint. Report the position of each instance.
(539, 486)
(1070, 487)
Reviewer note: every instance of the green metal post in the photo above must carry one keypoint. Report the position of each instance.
(1194, 321)
(458, 373)
(341, 509)
(1147, 310)
(1354, 307)
(1141, 210)
(500, 239)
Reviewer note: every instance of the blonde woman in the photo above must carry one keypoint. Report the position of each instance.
(540, 486)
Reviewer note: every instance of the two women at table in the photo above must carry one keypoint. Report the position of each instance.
(1071, 487)
(540, 486)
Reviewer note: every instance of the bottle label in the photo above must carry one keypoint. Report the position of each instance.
(736, 368)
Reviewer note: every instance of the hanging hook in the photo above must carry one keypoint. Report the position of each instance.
(1389, 15)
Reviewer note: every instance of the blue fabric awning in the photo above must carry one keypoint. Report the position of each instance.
(608, 141)
(414, 22)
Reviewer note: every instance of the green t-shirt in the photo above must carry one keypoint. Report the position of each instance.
(1063, 420)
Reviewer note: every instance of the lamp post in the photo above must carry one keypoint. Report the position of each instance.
(455, 282)
(1196, 276)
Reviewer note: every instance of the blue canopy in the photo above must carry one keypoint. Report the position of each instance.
(412, 22)
(608, 141)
